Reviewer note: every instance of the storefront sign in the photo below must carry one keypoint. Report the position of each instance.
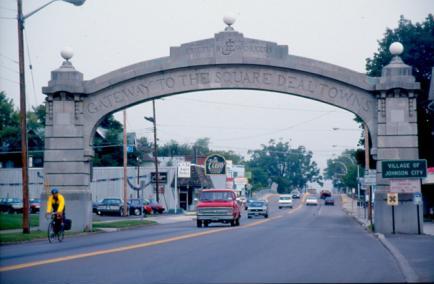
(215, 165)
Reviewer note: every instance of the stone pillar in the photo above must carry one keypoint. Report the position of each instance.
(65, 165)
(397, 140)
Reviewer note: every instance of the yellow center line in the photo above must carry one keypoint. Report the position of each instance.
(121, 249)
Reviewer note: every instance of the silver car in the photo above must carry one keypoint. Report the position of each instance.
(257, 208)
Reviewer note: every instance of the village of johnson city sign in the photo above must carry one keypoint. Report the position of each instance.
(404, 168)
(215, 165)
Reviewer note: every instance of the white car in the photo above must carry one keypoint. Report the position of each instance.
(312, 200)
(285, 200)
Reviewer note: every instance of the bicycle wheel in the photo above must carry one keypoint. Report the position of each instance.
(51, 233)
(61, 234)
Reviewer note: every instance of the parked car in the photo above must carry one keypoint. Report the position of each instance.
(35, 205)
(329, 201)
(295, 193)
(12, 205)
(285, 200)
(218, 205)
(3, 202)
(257, 208)
(311, 200)
(110, 206)
(95, 205)
(156, 208)
(137, 209)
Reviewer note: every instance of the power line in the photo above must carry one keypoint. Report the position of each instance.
(12, 81)
(279, 130)
(8, 9)
(30, 67)
(10, 69)
(9, 58)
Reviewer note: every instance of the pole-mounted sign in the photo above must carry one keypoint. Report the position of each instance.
(215, 165)
(184, 170)
(392, 199)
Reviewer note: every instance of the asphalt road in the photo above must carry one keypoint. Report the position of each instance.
(308, 244)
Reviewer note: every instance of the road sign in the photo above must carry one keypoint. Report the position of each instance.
(404, 168)
(184, 170)
(417, 198)
(130, 149)
(392, 198)
(370, 179)
(404, 185)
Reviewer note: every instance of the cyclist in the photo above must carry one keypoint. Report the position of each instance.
(56, 204)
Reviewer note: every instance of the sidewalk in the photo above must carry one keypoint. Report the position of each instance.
(413, 253)
(361, 215)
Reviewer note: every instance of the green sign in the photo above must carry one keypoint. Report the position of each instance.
(404, 168)
(215, 165)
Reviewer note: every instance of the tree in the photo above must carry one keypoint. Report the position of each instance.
(173, 148)
(289, 168)
(108, 146)
(342, 170)
(418, 41)
(10, 133)
(9, 125)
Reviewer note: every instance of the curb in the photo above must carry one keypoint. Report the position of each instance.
(408, 272)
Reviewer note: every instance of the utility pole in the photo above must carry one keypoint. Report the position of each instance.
(138, 174)
(23, 120)
(153, 119)
(366, 136)
(157, 176)
(125, 209)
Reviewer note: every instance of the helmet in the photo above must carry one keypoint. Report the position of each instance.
(54, 190)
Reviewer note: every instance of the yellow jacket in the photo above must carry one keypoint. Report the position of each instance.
(60, 203)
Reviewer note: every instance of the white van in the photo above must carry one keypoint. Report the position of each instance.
(285, 200)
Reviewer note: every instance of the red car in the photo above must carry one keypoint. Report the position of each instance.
(155, 207)
(35, 205)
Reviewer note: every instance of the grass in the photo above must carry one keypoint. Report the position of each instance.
(6, 238)
(19, 237)
(15, 221)
(123, 224)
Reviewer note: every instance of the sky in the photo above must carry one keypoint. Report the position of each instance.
(109, 34)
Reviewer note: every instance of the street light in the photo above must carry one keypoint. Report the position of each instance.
(23, 119)
(154, 121)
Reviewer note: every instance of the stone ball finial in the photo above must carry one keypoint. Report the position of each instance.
(396, 48)
(229, 19)
(67, 53)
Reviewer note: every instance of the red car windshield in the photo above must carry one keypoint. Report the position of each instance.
(216, 195)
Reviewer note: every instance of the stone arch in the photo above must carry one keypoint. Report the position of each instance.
(226, 61)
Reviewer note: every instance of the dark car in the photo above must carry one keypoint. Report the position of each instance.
(329, 201)
(325, 193)
(111, 206)
(136, 209)
(35, 205)
(95, 205)
(156, 208)
(3, 202)
(12, 205)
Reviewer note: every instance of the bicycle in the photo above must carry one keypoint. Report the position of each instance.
(52, 232)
